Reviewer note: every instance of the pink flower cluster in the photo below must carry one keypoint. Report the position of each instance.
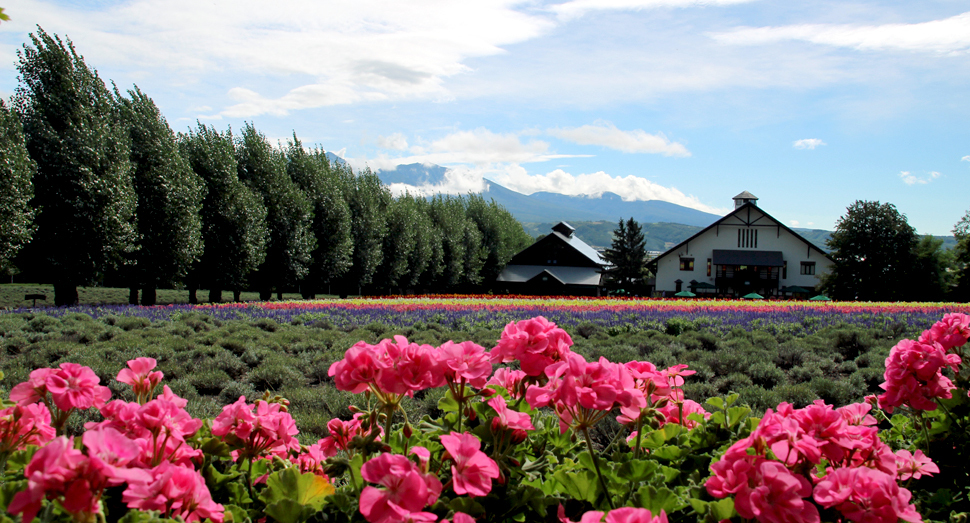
(400, 368)
(773, 476)
(141, 445)
(472, 471)
(23, 425)
(535, 343)
(662, 389)
(620, 515)
(257, 430)
(68, 387)
(914, 376)
(406, 491)
(576, 388)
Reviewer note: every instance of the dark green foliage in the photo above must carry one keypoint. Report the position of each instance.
(874, 251)
(169, 199)
(233, 217)
(961, 232)
(332, 255)
(627, 257)
(17, 171)
(502, 236)
(368, 200)
(288, 213)
(404, 225)
(209, 381)
(83, 189)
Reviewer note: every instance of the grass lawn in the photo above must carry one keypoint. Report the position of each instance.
(12, 295)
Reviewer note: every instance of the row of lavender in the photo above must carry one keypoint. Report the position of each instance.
(798, 320)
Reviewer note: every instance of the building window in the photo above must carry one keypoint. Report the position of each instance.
(808, 268)
(748, 238)
(708, 266)
(687, 264)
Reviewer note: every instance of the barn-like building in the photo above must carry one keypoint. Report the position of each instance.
(746, 251)
(559, 264)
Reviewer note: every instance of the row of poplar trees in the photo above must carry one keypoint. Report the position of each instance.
(96, 187)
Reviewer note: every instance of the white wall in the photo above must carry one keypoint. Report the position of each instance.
(725, 236)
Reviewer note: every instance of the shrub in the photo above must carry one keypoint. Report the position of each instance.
(766, 374)
(209, 381)
(266, 324)
(274, 373)
(128, 323)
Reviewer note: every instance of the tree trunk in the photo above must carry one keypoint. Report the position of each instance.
(133, 295)
(65, 294)
(237, 295)
(193, 297)
(308, 294)
(149, 296)
(264, 294)
(215, 295)
(279, 295)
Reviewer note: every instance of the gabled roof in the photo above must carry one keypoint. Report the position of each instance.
(581, 247)
(745, 196)
(565, 275)
(748, 205)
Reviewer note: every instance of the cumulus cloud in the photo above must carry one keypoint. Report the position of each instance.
(595, 184)
(461, 180)
(396, 141)
(794, 223)
(950, 35)
(911, 179)
(607, 135)
(807, 143)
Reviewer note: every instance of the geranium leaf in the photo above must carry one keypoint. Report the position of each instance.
(307, 490)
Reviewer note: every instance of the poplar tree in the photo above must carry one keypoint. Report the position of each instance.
(288, 214)
(368, 200)
(169, 200)
(234, 230)
(502, 235)
(332, 257)
(83, 192)
(17, 170)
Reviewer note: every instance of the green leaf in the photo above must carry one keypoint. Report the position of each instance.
(216, 447)
(655, 500)
(467, 505)
(637, 470)
(307, 490)
(581, 485)
(736, 414)
(448, 403)
(289, 511)
(715, 403)
(668, 452)
(234, 514)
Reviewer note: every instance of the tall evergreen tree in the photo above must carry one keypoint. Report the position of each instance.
(627, 257)
(332, 257)
(83, 189)
(448, 216)
(399, 244)
(17, 171)
(234, 230)
(169, 200)
(288, 213)
(873, 246)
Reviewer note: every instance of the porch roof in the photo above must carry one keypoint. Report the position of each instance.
(756, 258)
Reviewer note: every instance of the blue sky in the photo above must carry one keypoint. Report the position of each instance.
(808, 105)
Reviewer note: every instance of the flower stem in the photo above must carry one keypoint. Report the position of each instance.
(596, 465)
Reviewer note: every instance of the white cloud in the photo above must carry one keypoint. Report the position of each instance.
(807, 143)
(950, 35)
(396, 141)
(794, 223)
(577, 8)
(965, 159)
(342, 51)
(595, 184)
(911, 179)
(461, 180)
(607, 135)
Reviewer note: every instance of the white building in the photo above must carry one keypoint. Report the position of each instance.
(743, 252)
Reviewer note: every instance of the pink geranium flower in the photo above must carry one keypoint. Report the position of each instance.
(174, 491)
(405, 489)
(634, 515)
(466, 361)
(140, 376)
(32, 390)
(55, 472)
(23, 425)
(536, 343)
(510, 380)
(509, 419)
(74, 386)
(866, 495)
(909, 465)
(473, 471)
(950, 332)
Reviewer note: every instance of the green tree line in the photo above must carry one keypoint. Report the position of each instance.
(97, 188)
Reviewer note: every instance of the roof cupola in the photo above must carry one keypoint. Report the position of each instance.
(744, 198)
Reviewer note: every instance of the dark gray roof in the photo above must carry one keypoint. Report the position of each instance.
(567, 275)
(745, 196)
(758, 258)
(581, 247)
(564, 228)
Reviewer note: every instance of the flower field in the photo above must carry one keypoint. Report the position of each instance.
(797, 317)
(529, 430)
